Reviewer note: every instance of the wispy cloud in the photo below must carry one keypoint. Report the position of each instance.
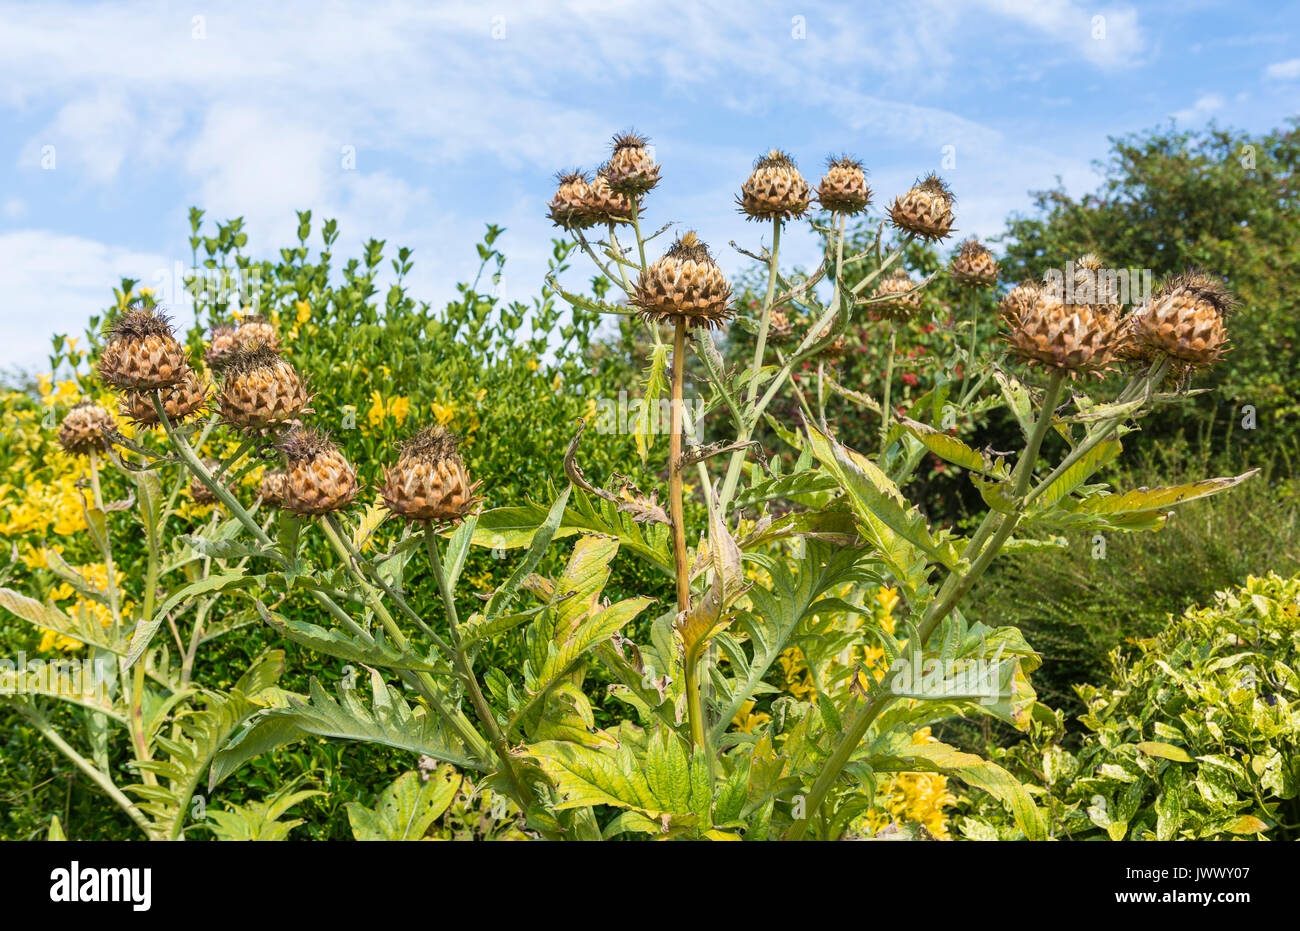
(418, 123)
(1205, 106)
(1287, 70)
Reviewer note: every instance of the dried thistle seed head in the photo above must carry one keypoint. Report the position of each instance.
(86, 429)
(1185, 318)
(1127, 346)
(200, 492)
(684, 284)
(271, 487)
(221, 344)
(1070, 338)
(142, 352)
(925, 210)
(837, 347)
(602, 204)
(318, 478)
(429, 481)
(255, 329)
(774, 189)
(974, 266)
(260, 389)
(894, 298)
(568, 208)
(1095, 286)
(630, 168)
(779, 327)
(1017, 301)
(181, 401)
(843, 189)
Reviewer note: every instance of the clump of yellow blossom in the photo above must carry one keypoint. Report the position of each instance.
(397, 408)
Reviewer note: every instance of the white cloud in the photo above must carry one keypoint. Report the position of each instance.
(1205, 105)
(1284, 70)
(1108, 37)
(54, 283)
(250, 162)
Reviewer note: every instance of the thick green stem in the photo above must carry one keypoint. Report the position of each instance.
(676, 504)
(885, 410)
(136, 713)
(110, 572)
(92, 772)
(425, 683)
(523, 796)
(765, 320)
(737, 460)
(973, 305)
(694, 706)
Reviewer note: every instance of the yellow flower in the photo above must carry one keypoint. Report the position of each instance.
(363, 536)
(41, 507)
(916, 798)
(532, 365)
(400, 408)
(37, 557)
(798, 678)
(444, 414)
(304, 311)
(53, 640)
(375, 416)
(96, 576)
(745, 721)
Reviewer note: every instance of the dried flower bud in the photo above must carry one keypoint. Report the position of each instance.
(630, 168)
(843, 189)
(779, 327)
(774, 189)
(260, 389)
(429, 481)
(255, 329)
(1185, 319)
(220, 345)
(1070, 338)
(85, 429)
(895, 297)
(189, 396)
(974, 266)
(602, 204)
(568, 206)
(142, 352)
(1016, 302)
(925, 210)
(271, 488)
(318, 478)
(684, 284)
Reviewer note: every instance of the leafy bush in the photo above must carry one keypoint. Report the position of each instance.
(1078, 603)
(1194, 733)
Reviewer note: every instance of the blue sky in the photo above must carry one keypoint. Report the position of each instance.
(460, 113)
